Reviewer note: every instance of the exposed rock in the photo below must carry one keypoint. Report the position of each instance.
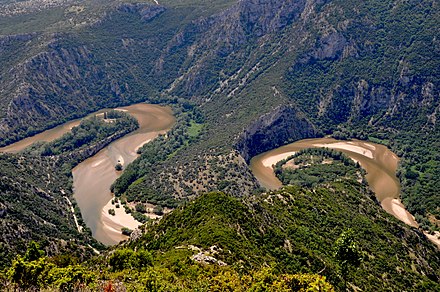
(330, 46)
(189, 247)
(283, 125)
(27, 6)
(203, 258)
(40, 192)
(135, 234)
(146, 11)
(259, 17)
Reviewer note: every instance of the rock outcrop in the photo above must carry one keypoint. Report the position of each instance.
(284, 124)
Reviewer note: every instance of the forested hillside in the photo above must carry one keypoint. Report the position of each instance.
(244, 77)
(34, 205)
(280, 241)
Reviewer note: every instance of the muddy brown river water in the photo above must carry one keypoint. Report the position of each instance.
(379, 162)
(46, 136)
(93, 177)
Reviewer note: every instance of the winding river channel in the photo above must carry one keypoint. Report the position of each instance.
(379, 162)
(93, 177)
(46, 136)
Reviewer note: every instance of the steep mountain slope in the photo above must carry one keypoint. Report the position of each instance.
(34, 205)
(36, 197)
(294, 231)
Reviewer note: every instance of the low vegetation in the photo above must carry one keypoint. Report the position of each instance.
(296, 238)
(313, 166)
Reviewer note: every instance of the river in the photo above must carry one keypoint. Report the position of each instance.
(379, 162)
(93, 177)
(46, 136)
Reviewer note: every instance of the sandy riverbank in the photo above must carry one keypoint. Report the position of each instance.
(434, 238)
(349, 147)
(397, 209)
(274, 159)
(114, 224)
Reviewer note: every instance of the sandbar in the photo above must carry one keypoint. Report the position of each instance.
(115, 223)
(346, 146)
(396, 208)
(271, 160)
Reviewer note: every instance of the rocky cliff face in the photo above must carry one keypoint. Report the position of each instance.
(284, 124)
(56, 85)
(221, 40)
(146, 11)
(215, 56)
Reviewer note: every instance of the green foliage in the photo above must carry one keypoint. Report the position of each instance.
(140, 217)
(40, 274)
(313, 166)
(158, 210)
(127, 258)
(118, 167)
(266, 280)
(347, 253)
(28, 274)
(35, 270)
(33, 252)
(67, 278)
(126, 231)
(296, 229)
(156, 153)
(91, 130)
(33, 206)
(307, 236)
(306, 282)
(140, 208)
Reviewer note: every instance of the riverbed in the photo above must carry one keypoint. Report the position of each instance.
(46, 136)
(93, 177)
(379, 162)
